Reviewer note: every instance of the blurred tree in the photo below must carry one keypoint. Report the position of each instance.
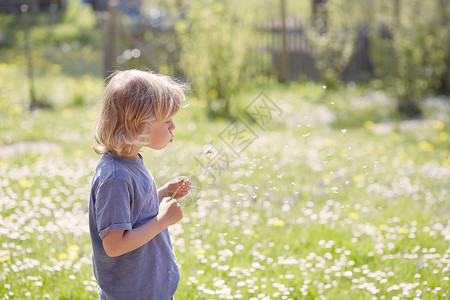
(215, 38)
(410, 60)
(319, 15)
(332, 36)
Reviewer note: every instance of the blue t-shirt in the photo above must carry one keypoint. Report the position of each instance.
(123, 197)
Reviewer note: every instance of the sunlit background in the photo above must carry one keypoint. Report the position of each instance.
(330, 121)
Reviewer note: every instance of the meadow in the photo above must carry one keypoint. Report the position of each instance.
(314, 194)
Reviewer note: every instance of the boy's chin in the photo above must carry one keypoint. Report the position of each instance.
(159, 147)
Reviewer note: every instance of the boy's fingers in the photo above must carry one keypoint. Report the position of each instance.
(168, 199)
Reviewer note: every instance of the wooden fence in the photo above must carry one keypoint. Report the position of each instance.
(282, 49)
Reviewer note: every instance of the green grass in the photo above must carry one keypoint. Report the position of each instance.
(322, 204)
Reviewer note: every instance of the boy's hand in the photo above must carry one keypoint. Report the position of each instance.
(169, 211)
(173, 185)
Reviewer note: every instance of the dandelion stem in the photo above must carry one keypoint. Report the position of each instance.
(184, 181)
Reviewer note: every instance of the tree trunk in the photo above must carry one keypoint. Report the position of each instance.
(283, 55)
(445, 78)
(408, 107)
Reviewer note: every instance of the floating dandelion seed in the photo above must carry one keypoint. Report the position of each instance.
(324, 86)
(209, 151)
(344, 131)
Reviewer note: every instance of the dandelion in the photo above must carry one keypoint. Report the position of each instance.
(58, 151)
(213, 94)
(382, 227)
(73, 248)
(353, 216)
(25, 183)
(209, 151)
(278, 223)
(67, 112)
(438, 125)
(78, 153)
(358, 178)
(425, 146)
(199, 251)
(446, 161)
(368, 125)
(402, 230)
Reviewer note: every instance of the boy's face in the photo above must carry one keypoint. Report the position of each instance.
(161, 133)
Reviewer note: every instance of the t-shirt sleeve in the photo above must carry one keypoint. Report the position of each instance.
(112, 207)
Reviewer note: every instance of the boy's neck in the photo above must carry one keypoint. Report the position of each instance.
(132, 155)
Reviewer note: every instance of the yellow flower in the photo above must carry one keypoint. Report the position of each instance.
(353, 216)
(439, 125)
(249, 232)
(326, 178)
(382, 227)
(368, 125)
(358, 178)
(425, 146)
(327, 143)
(163, 69)
(344, 153)
(62, 256)
(446, 161)
(25, 183)
(402, 230)
(402, 155)
(73, 248)
(443, 136)
(278, 223)
(5, 258)
(57, 151)
(199, 251)
(72, 251)
(381, 149)
(73, 255)
(67, 112)
(55, 68)
(78, 153)
(16, 109)
(213, 94)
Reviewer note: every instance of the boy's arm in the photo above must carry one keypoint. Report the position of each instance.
(120, 242)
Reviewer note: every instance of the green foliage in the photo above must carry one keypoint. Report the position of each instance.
(76, 25)
(215, 40)
(411, 62)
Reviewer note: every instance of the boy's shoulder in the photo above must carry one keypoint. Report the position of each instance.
(111, 168)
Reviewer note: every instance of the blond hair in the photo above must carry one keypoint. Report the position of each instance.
(131, 101)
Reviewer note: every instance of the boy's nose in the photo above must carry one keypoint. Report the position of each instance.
(172, 125)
